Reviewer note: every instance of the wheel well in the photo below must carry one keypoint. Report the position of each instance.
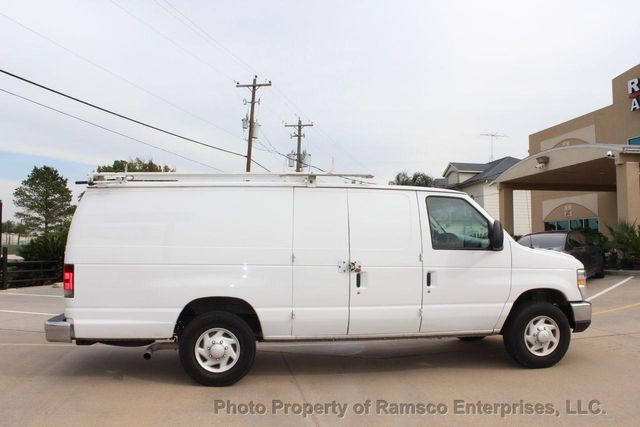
(236, 306)
(552, 296)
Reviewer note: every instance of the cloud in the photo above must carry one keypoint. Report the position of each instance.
(388, 85)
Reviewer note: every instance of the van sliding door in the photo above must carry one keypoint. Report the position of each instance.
(320, 254)
(386, 270)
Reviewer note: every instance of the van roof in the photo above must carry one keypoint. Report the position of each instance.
(173, 179)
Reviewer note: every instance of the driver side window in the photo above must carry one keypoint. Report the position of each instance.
(455, 224)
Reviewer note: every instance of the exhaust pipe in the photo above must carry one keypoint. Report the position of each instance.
(157, 346)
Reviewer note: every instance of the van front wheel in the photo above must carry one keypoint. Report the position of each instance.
(217, 349)
(538, 335)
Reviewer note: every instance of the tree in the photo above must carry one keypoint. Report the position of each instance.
(44, 200)
(49, 246)
(7, 229)
(418, 179)
(8, 226)
(135, 165)
(12, 227)
(20, 229)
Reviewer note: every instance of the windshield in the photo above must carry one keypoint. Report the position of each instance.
(554, 241)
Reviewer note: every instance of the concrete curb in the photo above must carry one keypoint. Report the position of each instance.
(623, 272)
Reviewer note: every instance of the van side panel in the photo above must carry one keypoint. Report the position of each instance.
(142, 254)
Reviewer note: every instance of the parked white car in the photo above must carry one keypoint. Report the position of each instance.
(210, 264)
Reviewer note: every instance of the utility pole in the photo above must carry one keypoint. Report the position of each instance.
(299, 135)
(493, 136)
(254, 87)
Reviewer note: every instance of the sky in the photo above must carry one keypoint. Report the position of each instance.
(389, 85)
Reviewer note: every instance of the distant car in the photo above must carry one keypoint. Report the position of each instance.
(570, 242)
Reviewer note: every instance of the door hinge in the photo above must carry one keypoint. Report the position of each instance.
(293, 257)
(420, 312)
(293, 315)
(420, 257)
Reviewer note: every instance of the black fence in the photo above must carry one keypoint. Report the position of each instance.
(28, 273)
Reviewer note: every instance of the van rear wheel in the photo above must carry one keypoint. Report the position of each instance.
(217, 349)
(538, 335)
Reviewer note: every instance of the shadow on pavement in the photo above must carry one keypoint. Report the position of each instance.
(117, 364)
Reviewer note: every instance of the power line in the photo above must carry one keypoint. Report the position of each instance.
(195, 56)
(108, 71)
(266, 138)
(170, 40)
(89, 104)
(215, 43)
(211, 40)
(198, 30)
(108, 130)
(309, 165)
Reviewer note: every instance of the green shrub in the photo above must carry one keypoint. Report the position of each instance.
(624, 246)
(46, 247)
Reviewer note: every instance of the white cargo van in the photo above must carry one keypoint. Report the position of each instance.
(210, 264)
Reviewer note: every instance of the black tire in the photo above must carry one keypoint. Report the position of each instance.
(599, 274)
(246, 346)
(471, 339)
(514, 334)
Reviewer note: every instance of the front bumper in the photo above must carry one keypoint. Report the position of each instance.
(581, 315)
(58, 329)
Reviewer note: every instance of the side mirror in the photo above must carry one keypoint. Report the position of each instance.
(496, 237)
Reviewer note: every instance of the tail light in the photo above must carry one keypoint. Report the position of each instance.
(67, 279)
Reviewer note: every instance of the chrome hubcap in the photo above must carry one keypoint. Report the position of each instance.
(542, 336)
(217, 350)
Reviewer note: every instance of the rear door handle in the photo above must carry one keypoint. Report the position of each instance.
(429, 279)
(357, 280)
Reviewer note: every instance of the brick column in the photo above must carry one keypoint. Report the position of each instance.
(628, 191)
(505, 195)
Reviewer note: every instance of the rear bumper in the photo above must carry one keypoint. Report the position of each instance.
(58, 329)
(581, 315)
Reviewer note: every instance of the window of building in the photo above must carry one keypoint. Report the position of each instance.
(592, 224)
(634, 141)
(574, 224)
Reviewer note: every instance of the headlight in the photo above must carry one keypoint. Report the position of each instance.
(582, 282)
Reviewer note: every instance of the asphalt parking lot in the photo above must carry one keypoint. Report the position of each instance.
(597, 383)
